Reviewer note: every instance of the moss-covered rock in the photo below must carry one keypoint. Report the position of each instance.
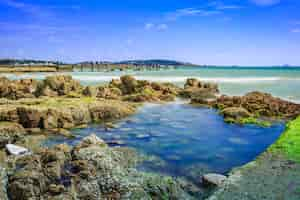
(91, 170)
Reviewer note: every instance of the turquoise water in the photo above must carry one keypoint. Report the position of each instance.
(182, 140)
(281, 82)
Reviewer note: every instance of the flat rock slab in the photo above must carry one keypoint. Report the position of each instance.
(16, 150)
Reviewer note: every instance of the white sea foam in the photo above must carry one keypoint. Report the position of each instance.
(180, 79)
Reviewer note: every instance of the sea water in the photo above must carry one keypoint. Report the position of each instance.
(283, 82)
(181, 140)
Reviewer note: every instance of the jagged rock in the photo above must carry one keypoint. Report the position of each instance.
(199, 92)
(10, 133)
(91, 171)
(16, 150)
(261, 105)
(109, 92)
(213, 179)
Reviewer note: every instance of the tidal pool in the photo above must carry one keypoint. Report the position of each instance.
(182, 140)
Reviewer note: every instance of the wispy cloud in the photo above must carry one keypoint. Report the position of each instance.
(190, 12)
(296, 30)
(159, 27)
(265, 2)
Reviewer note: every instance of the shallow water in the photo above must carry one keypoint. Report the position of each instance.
(281, 82)
(182, 140)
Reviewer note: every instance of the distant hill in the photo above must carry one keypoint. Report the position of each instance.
(154, 62)
(149, 62)
(27, 62)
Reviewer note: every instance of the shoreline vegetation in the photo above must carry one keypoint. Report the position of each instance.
(91, 170)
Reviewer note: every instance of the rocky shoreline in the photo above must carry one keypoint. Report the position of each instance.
(92, 170)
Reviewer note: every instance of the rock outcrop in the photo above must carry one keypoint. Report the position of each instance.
(30, 88)
(260, 104)
(64, 113)
(200, 92)
(91, 170)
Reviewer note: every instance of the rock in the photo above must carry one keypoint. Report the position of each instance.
(199, 91)
(90, 91)
(62, 84)
(87, 171)
(115, 142)
(56, 189)
(3, 183)
(10, 132)
(30, 117)
(16, 150)
(62, 132)
(235, 113)
(91, 140)
(129, 84)
(213, 179)
(261, 105)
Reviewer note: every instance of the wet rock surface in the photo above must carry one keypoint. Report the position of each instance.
(90, 170)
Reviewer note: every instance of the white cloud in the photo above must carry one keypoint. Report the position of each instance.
(162, 27)
(149, 26)
(265, 2)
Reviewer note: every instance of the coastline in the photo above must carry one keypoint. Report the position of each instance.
(59, 103)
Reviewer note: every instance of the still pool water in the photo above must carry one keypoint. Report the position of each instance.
(182, 140)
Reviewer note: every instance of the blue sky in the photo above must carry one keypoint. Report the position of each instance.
(221, 32)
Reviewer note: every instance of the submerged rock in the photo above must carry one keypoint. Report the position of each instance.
(213, 179)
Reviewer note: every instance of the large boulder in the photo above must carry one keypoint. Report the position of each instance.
(59, 85)
(16, 89)
(199, 92)
(129, 84)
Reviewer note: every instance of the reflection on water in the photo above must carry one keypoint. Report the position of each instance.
(182, 140)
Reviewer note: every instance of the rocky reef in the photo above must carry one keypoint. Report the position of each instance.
(90, 170)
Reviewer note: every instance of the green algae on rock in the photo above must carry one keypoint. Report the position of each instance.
(289, 142)
(273, 175)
